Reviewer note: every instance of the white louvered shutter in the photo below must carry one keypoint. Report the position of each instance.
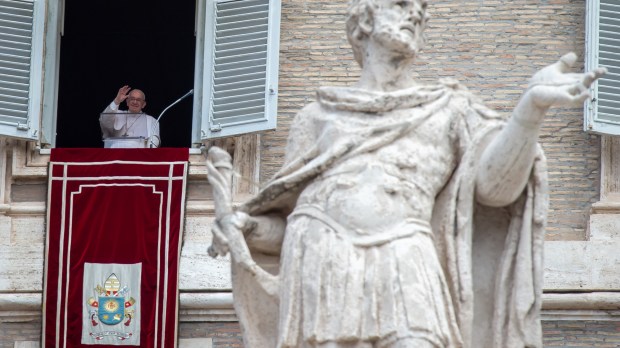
(602, 112)
(241, 67)
(20, 64)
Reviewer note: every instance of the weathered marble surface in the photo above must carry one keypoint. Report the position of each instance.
(405, 214)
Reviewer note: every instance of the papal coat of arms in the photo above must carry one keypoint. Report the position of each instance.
(111, 307)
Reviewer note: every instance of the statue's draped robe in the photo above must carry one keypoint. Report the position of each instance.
(491, 257)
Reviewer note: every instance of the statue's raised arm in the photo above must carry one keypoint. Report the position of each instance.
(507, 160)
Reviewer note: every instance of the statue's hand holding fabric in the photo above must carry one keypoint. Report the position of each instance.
(231, 226)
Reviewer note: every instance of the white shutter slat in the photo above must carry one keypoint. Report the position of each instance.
(602, 113)
(239, 84)
(13, 62)
(16, 23)
(234, 20)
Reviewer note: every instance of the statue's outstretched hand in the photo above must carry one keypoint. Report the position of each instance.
(554, 85)
(507, 161)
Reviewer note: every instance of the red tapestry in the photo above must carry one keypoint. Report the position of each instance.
(115, 218)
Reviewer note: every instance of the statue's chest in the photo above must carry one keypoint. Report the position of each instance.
(420, 143)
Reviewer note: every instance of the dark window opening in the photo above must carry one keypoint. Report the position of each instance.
(146, 44)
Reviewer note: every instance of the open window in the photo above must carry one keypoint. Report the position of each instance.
(602, 112)
(62, 78)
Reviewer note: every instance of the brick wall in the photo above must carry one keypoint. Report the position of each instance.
(569, 334)
(492, 47)
(313, 52)
(224, 334)
(21, 331)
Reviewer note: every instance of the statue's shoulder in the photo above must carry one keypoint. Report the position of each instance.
(306, 116)
(310, 109)
(467, 103)
(476, 118)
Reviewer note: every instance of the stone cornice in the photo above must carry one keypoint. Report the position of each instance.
(218, 306)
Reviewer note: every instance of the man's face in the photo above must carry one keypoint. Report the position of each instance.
(135, 102)
(398, 25)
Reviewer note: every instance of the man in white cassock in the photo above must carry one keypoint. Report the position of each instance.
(133, 122)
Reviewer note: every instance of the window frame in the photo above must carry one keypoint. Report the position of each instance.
(48, 20)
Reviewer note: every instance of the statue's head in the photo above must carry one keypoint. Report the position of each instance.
(397, 25)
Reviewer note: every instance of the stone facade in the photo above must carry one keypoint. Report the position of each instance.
(491, 46)
(565, 333)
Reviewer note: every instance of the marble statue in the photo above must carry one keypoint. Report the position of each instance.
(405, 214)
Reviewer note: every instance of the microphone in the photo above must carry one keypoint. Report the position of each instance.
(191, 91)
